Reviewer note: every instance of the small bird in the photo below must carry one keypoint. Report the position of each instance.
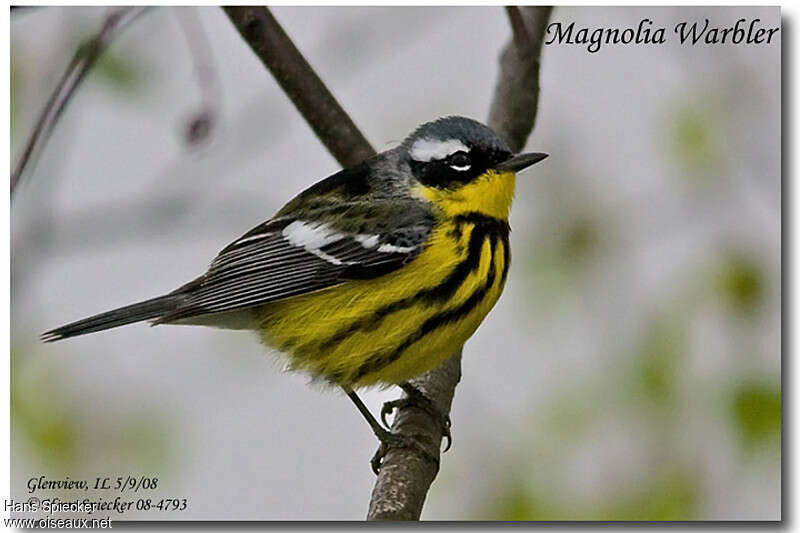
(372, 276)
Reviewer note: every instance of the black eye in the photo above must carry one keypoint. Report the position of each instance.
(459, 161)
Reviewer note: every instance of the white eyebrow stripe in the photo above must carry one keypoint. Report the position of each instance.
(426, 149)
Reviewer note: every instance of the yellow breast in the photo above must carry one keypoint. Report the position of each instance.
(390, 329)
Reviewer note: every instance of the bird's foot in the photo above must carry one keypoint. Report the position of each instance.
(415, 398)
(394, 440)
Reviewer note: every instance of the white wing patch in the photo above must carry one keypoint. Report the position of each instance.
(392, 249)
(313, 237)
(310, 236)
(426, 149)
(368, 241)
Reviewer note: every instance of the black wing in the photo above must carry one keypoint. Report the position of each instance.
(290, 256)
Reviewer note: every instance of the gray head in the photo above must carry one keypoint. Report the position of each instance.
(455, 150)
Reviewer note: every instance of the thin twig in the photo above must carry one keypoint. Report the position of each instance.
(298, 80)
(82, 61)
(205, 71)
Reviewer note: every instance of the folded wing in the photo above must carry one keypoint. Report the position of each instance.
(288, 257)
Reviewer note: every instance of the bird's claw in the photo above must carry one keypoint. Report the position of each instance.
(447, 436)
(389, 407)
(393, 440)
(415, 398)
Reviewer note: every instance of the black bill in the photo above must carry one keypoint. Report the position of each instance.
(520, 161)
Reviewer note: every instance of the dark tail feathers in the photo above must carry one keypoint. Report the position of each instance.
(146, 310)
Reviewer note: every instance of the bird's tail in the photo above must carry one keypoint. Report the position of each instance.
(146, 310)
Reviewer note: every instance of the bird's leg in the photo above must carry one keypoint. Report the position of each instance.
(416, 398)
(386, 437)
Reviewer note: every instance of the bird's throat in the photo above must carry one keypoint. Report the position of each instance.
(490, 194)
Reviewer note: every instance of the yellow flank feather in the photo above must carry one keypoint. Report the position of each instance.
(392, 328)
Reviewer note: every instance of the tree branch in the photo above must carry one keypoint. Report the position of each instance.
(518, 29)
(84, 59)
(406, 475)
(513, 111)
(299, 81)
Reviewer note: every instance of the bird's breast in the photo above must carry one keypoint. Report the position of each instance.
(400, 325)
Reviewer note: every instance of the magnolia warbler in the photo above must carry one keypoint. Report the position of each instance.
(372, 276)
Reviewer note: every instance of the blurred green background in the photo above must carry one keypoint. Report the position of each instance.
(631, 371)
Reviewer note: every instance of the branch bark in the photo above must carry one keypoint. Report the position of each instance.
(301, 84)
(82, 62)
(406, 475)
(516, 97)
